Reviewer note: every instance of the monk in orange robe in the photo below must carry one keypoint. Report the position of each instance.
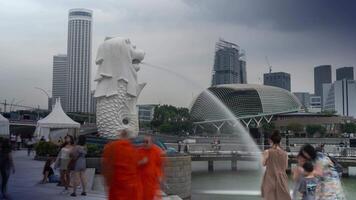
(120, 162)
(152, 172)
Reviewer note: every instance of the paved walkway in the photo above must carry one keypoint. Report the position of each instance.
(24, 184)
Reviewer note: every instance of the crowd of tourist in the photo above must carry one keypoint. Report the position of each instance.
(135, 172)
(315, 178)
(71, 164)
(131, 172)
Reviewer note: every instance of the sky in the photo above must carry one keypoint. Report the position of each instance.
(180, 36)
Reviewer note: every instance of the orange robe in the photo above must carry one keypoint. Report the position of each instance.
(152, 172)
(120, 170)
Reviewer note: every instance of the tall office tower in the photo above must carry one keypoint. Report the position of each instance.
(322, 74)
(92, 102)
(304, 98)
(277, 79)
(229, 64)
(79, 59)
(60, 81)
(345, 73)
(340, 97)
(243, 71)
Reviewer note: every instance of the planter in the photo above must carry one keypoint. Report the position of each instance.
(94, 162)
(178, 176)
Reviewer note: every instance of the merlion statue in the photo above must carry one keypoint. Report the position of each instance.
(117, 87)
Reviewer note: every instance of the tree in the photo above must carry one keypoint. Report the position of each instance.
(348, 128)
(171, 119)
(314, 129)
(268, 127)
(295, 127)
(328, 112)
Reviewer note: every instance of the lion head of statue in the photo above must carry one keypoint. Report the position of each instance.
(117, 59)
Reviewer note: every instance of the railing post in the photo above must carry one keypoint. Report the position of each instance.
(210, 165)
(234, 165)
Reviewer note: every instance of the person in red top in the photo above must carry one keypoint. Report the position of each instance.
(152, 172)
(120, 162)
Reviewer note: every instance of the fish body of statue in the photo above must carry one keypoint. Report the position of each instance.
(117, 87)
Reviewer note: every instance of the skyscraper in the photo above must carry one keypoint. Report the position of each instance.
(277, 79)
(322, 74)
(79, 59)
(229, 64)
(345, 73)
(304, 98)
(60, 80)
(340, 97)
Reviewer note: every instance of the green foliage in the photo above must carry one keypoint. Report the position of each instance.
(268, 127)
(328, 112)
(93, 150)
(170, 119)
(295, 127)
(348, 128)
(312, 130)
(46, 149)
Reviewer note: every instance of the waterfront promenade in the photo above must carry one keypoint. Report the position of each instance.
(24, 184)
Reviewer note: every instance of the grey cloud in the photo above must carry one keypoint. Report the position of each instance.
(284, 15)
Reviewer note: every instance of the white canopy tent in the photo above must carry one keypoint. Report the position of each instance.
(4, 126)
(57, 124)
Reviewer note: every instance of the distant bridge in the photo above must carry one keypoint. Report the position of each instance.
(23, 122)
(240, 152)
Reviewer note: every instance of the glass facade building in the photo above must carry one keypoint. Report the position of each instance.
(277, 79)
(345, 73)
(322, 74)
(229, 64)
(340, 97)
(79, 59)
(304, 98)
(243, 100)
(60, 80)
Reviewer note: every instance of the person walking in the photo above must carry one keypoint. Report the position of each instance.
(325, 171)
(62, 162)
(151, 173)
(13, 141)
(6, 165)
(18, 141)
(275, 180)
(120, 162)
(30, 144)
(78, 166)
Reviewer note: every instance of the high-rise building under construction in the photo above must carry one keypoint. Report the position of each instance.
(229, 64)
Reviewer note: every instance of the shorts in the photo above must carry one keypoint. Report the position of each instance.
(64, 164)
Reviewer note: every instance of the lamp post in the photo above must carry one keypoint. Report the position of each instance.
(42, 90)
(46, 93)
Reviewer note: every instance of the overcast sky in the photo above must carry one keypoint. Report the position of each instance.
(180, 36)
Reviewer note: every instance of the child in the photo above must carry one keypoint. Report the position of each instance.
(48, 173)
(309, 183)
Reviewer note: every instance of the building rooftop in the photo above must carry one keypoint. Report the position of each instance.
(243, 100)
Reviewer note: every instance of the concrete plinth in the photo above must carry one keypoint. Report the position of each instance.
(178, 176)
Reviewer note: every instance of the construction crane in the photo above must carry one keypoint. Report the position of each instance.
(269, 65)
